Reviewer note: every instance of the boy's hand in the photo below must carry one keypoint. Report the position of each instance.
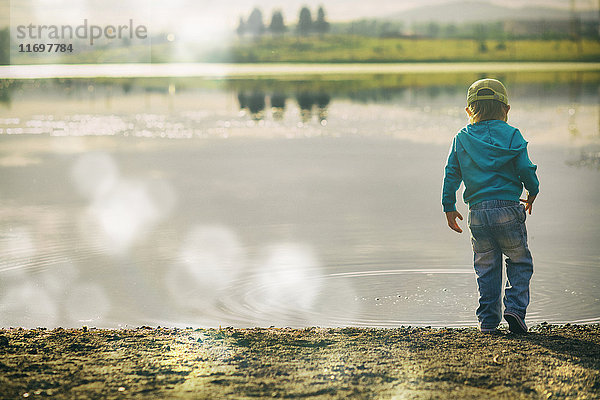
(528, 202)
(451, 217)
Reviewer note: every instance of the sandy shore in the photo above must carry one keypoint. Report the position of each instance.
(254, 70)
(417, 363)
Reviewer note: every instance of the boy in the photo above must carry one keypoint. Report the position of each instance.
(490, 157)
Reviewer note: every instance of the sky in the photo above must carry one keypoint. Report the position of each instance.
(212, 16)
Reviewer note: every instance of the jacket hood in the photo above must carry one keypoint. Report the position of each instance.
(490, 144)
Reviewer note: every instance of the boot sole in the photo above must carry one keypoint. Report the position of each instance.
(515, 324)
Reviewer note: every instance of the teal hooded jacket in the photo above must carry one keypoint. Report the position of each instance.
(491, 158)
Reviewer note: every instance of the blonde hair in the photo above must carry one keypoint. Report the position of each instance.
(485, 110)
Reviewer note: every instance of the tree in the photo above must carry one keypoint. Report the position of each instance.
(241, 29)
(450, 31)
(4, 47)
(255, 25)
(433, 29)
(321, 25)
(277, 26)
(304, 22)
(481, 35)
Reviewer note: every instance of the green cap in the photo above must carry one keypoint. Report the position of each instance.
(492, 84)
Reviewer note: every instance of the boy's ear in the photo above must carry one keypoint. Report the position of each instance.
(468, 110)
(506, 113)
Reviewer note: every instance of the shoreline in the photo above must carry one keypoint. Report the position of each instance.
(266, 70)
(552, 361)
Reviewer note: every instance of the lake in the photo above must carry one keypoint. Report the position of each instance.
(277, 201)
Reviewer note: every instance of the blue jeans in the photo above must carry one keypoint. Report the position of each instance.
(497, 228)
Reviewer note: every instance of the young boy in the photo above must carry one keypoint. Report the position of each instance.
(490, 157)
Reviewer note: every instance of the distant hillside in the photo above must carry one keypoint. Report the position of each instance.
(472, 11)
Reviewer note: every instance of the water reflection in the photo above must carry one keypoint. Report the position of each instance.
(254, 103)
(7, 87)
(278, 100)
(586, 157)
(308, 100)
(184, 108)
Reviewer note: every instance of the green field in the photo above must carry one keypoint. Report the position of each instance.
(364, 49)
(336, 49)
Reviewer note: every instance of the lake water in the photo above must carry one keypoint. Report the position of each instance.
(286, 202)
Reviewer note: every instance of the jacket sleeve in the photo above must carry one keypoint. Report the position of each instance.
(526, 169)
(452, 180)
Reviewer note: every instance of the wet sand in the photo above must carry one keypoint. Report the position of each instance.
(556, 362)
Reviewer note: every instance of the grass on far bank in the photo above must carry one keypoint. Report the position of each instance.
(346, 48)
(334, 49)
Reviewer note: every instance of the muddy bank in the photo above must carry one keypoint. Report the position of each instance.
(549, 362)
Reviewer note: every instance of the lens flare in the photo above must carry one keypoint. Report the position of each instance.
(289, 278)
(121, 211)
(27, 305)
(208, 261)
(94, 174)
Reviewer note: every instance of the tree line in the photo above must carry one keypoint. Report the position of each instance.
(499, 30)
(305, 26)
